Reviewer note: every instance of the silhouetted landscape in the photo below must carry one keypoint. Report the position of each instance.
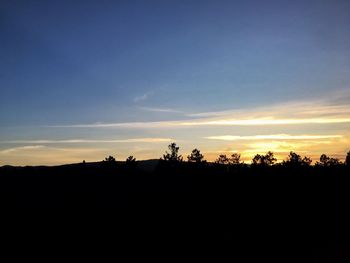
(177, 129)
(290, 206)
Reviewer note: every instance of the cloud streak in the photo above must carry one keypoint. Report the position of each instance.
(22, 148)
(140, 98)
(273, 137)
(135, 140)
(291, 113)
(164, 110)
(219, 122)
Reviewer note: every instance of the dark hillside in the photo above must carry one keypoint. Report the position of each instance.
(305, 208)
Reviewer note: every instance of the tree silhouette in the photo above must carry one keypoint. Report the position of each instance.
(130, 159)
(109, 159)
(130, 162)
(264, 160)
(257, 159)
(173, 155)
(109, 162)
(324, 159)
(295, 159)
(235, 159)
(195, 156)
(222, 159)
(347, 159)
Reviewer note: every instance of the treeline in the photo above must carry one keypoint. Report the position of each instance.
(273, 206)
(268, 159)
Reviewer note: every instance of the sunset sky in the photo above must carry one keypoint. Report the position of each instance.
(81, 80)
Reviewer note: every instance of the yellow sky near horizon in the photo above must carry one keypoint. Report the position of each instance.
(308, 128)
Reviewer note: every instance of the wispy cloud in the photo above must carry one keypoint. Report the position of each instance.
(140, 98)
(143, 97)
(134, 140)
(210, 114)
(22, 148)
(273, 137)
(45, 155)
(265, 121)
(290, 109)
(166, 110)
(218, 122)
(160, 124)
(292, 113)
(311, 128)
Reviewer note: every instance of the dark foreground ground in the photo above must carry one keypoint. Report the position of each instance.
(284, 213)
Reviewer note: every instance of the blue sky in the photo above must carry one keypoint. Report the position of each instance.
(70, 63)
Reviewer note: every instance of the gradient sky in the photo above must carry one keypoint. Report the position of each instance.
(86, 79)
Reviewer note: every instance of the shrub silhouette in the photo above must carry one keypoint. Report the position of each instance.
(235, 159)
(327, 161)
(130, 162)
(130, 159)
(264, 160)
(109, 162)
(195, 156)
(109, 159)
(173, 155)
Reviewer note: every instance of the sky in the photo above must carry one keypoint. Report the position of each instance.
(81, 80)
